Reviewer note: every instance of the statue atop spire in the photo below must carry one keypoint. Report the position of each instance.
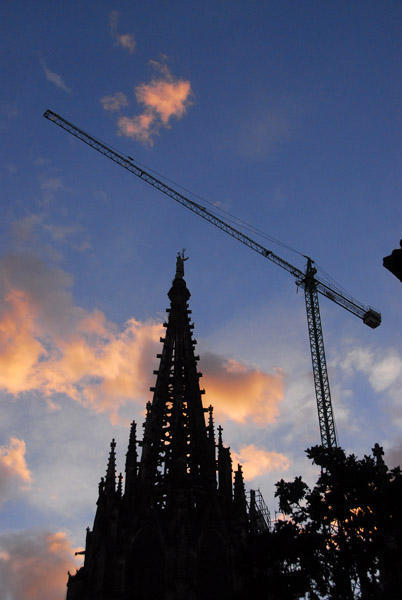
(180, 264)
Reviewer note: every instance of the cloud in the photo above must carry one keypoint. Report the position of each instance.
(34, 564)
(384, 371)
(115, 102)
(49, 186)
(141, 127)
(55, 78)
(241, 393)
(125, 40)
(14, 473)
(27, 231)
(263, 131)
(393, 456)
(50, 345)
(9, 110)
(256, 461)
(163, 98)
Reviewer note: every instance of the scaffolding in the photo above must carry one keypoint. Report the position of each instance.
(260, 517)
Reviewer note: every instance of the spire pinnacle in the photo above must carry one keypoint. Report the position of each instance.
(211, 427)
(220, 443)
(110, 482)
(131, 460)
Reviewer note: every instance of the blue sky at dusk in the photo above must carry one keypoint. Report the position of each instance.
(285, 114)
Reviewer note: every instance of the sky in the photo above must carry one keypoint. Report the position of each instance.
(284, 114)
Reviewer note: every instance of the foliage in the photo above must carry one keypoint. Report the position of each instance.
(342, 539)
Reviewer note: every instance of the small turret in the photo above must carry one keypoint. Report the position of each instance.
(120, 485)
(131, 461)
(110, 481)
(239, 491)
(224, 471)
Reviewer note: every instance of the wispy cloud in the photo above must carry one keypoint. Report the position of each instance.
(49, 186)
(115, 102)
(125, 40)
(34, 564)
(262, 131)
(257, 461)
(33, 228)
(9, 110)
(14, 473)
(54, 78)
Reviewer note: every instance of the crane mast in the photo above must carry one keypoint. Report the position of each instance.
(311, 284)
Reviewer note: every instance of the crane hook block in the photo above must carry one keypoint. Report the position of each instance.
(372, 318)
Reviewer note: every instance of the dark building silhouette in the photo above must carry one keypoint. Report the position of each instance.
(393, 262)
(182, 527)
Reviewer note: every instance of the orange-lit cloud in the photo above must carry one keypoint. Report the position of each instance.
(166, 98)
(141, 127)
(125, 40)
(163, 98)
(241, 393)
(14, 473)
(50, 345)
(256, 461)
(34, 565)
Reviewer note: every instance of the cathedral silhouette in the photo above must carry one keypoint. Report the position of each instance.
(183, 527)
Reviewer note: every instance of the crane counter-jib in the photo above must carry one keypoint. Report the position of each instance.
(311, 284)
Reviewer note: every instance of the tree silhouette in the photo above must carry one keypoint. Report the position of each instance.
(340, 540)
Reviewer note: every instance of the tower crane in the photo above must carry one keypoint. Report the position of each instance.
(307, 280)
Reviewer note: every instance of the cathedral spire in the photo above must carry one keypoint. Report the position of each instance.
(180, 529)
(176, 440)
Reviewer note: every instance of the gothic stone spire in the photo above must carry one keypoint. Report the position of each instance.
(176, 444)
(176, 531)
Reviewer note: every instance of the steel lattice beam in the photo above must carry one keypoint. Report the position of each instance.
(311, 284)
(321, 382)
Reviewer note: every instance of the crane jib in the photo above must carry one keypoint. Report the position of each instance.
(312, 285)
(368, 315)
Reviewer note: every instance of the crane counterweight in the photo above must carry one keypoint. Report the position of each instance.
(372, 318)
